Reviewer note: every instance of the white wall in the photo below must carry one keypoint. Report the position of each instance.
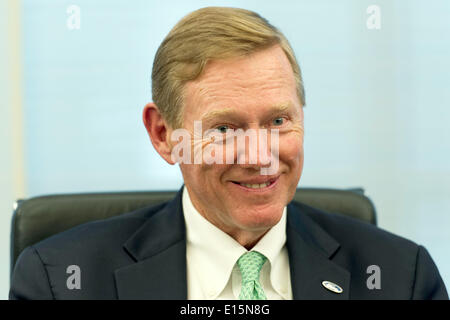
(12, 175)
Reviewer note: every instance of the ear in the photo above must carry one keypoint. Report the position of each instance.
(158, 130)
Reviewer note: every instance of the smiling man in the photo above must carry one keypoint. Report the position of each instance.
(256, 85)
(232, 231)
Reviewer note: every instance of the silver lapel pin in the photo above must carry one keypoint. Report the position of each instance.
(333, 287)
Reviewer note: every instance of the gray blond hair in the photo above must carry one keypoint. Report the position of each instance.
(209, 34)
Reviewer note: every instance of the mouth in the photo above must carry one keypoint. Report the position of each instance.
(257, 184)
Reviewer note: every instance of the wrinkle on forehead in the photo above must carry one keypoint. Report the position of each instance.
(233, 93)
(232, 81)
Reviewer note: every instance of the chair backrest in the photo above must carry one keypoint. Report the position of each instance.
(38, 218)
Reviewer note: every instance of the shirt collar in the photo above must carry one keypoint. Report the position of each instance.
(273, 241)
(215, 253)
(271, 245)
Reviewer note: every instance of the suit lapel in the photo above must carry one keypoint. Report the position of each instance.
(310, 250)
(159, 249)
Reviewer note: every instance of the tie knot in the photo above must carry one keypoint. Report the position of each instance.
(250, 264)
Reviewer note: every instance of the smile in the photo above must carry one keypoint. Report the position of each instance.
(257, 184)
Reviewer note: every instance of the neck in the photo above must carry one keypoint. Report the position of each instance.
(248, 241)
(246, 238)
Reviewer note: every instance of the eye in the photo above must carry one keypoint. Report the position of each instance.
(222, 128)
(278, 121)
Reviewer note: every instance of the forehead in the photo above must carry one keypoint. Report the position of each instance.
(258, 80)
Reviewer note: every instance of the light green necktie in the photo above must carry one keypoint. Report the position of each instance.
(250, 264)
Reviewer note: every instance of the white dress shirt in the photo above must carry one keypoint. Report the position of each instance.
(212, 272)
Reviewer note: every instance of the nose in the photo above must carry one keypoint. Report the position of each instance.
(254, 148)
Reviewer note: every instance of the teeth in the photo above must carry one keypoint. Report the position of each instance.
(255, 186)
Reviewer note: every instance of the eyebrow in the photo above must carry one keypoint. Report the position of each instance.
(228, 112)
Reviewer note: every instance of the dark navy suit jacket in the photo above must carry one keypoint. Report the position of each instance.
(142, 255)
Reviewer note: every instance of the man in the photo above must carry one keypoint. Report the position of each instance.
(231, 231)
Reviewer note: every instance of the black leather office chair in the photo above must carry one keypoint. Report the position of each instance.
(41, 217)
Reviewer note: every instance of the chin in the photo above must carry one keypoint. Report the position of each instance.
(260, 219)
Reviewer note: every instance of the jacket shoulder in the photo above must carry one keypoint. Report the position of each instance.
(407, 270)
(90, 241)
(95, 248)
(353, 232)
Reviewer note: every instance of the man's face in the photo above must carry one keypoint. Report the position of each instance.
(253, 92)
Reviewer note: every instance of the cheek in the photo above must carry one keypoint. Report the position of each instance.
(201, 174)
(291, 147)
(291, 156)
